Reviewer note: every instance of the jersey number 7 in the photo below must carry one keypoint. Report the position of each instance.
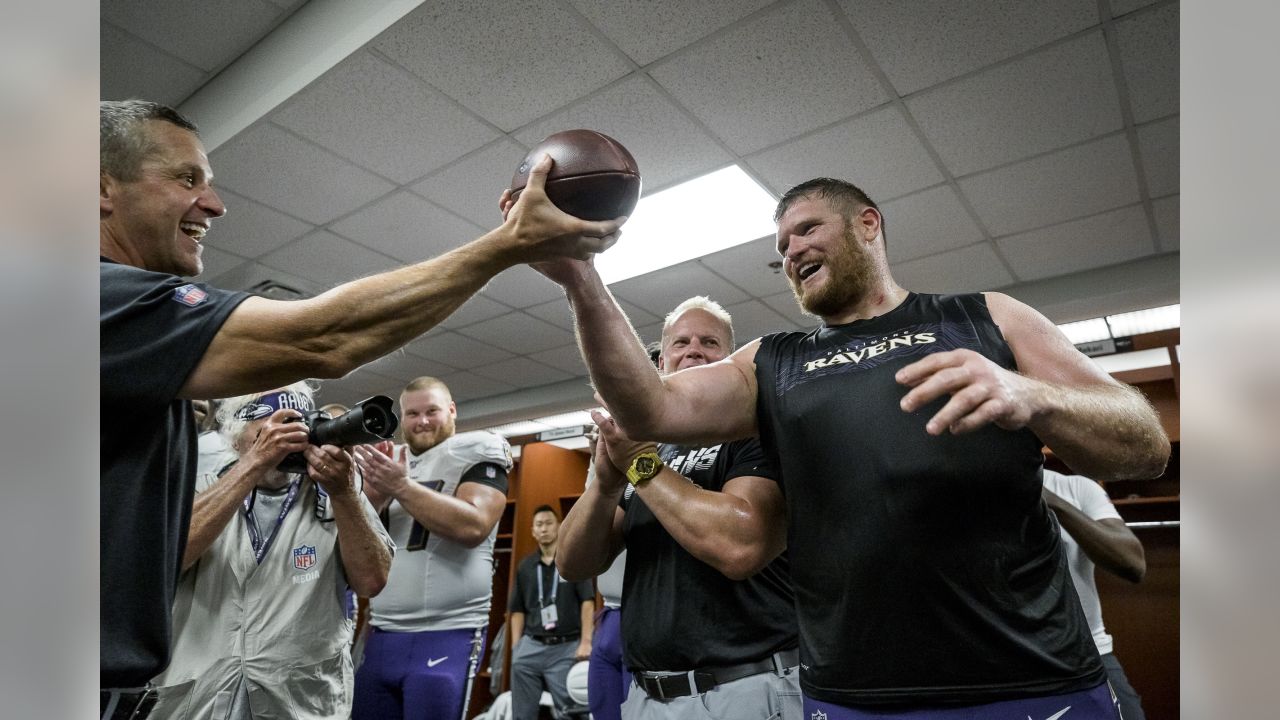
(418, 534)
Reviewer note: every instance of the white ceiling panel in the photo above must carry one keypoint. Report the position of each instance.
(650, 333)
(638, 315)
(357, 386)
(471, 186)
(660, 291)
(1168, 226)
(878, 152)
(1124, 7)
(456, 350)
(747, 265)
(404, 366)
(556, 312)
(510, 61)
(757, 84)
(531, 372)
(518, 332)
(521, 287)
(927, 222)
(327, 258)
(218, 32)
(365, 109)
(649, 30)
(965, 270)
(649, 125)
(1044, 101)
(465, 386)
(278, 169)
(1097, 241)
(1067, 184)
(752, 319)
(1158, 143)
(1149, 53)
(565, 357)
(217, 262)
(406, 227)
(135, 69)
(785, 304)
(477, 309)
(250, 228)
(919, 44)
(251, 274)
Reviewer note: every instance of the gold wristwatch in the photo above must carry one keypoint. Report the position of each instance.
(643, 467)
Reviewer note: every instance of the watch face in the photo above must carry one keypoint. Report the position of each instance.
(645, 465)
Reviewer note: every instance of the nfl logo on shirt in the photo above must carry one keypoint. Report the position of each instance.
(189, 295)
(304, 557)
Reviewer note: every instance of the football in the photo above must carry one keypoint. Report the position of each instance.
(594, 177)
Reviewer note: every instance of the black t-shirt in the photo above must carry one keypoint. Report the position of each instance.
(154, 328)
(569, 597)
(927, 570)
(682, 614)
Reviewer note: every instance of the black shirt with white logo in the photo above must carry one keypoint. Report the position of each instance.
(680, 613)
(567, 596)
(154, 329)
(927, 569)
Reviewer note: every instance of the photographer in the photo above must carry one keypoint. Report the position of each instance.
(260, 622)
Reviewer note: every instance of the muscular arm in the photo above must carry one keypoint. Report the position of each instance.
(267, 343)
(1108, 542)
(465, 518)
(215, 507)
(708, 404)
(1098, 426)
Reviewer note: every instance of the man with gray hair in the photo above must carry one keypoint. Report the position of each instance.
(165, 341)
(260, 621)
(705, 558)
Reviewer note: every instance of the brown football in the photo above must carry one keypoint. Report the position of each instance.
(594, 177)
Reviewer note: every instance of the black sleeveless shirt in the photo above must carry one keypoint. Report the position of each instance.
(927, 569)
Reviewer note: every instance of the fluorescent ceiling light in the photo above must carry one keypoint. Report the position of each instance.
(1086, 331)
(693, 219)
(1145, 321)
(1137, 360)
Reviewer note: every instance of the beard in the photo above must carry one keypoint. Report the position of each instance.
(421, 442)
(850, 276)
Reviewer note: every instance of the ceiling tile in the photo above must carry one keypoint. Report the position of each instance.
(464, 386)
(521, 287)
(666, 144)
(646, 31)
(475, 310)
(1067, 184)
(565, 357)
(252, 229)
(556, 312)
(661, 290)
(1158, 143)
(523, 372)
(518, 332)
(407, 227)
(650, 333)
(456, 350)
(756, 85)
(208, 34)
(1167, 222)
(753, 319)
(252, 274)
(383, 118)
(357, 386)
(509, 60)
(878, 152)
(1041, 102)
(133, 69)
(216, 262)
(970, 269)
(471, 186)
(1097, 241)
(278, 169)
(747, 266)
(784, 303)
(638, 315)
(1124, 7)
(927, 222)
(919, 44)
(328, 259)
(1149, 54)
(405, 366)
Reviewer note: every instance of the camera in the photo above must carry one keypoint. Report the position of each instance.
(369, 421)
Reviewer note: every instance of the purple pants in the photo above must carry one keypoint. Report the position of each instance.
(607, 676)
(1096, 704)
(417, 676)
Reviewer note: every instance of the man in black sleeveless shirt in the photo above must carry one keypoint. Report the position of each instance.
(709, 626)
(929, 578)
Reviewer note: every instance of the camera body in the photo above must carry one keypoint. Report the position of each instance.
(371, 420)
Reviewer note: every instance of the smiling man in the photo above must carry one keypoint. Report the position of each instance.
(165, 340)
(929, 578)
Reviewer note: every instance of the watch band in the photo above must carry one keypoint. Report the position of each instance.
(644, 467)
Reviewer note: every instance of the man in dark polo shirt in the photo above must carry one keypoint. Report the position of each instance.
(550, 621)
